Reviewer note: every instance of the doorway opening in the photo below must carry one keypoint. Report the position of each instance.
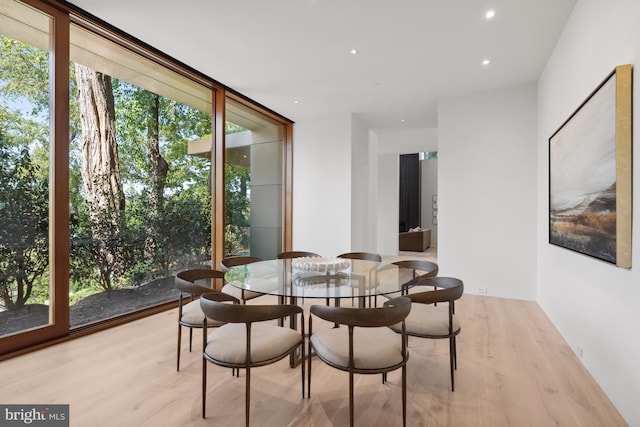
(418, 201)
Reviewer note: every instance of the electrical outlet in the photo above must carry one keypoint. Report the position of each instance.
(579, 351)
(482, 290)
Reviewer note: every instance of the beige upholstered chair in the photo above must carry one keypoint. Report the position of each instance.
(366, 346)
(190, 314)
(245, 341)
(233, 261)
(427, 320)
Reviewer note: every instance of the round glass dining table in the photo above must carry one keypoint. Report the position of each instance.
(329, 278)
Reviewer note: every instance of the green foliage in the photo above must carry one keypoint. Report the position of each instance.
(232, 128)
(103, 254)
(24, 72)
(178, 124)
(237, 209)
(24, 231)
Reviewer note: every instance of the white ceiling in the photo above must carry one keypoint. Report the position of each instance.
(410, 52)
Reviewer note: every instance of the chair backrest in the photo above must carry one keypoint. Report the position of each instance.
(296, 254)
(394, 311)
(368, 256)
(448, 289)
(185, 281)
(235, 260)
(429, 268)
(213, 306)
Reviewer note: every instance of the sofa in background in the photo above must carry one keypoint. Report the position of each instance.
(415, 241)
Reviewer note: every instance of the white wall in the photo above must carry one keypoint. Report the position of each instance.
(388, 203)
(594, 305)
(390, 146)
(429, 171)
(408, 141)
(322, 185)
(486, 186)
(363, 185)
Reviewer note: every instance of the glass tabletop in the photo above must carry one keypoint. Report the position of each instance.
(324, 278)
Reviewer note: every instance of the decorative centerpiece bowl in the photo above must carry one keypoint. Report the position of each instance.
(321, 265)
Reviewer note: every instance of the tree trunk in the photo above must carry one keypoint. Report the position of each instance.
(158, 168)
(100, 169)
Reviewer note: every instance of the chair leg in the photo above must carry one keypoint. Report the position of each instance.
(404, 395)
(309, 372)
(190, 338)
(204, 386)
(351, 399)
(178, 352)
(455, 354)
(247, 401)
(451, 351)
(302, 364)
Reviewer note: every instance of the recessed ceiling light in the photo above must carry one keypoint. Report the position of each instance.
(402, 120)
(486, 62)
(353, 51)
(490, 14)
(296, 101)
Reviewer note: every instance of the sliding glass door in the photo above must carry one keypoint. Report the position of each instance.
(30, 308)
(140, 168)
(113, 176)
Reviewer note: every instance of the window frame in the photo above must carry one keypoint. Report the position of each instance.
(62, 15)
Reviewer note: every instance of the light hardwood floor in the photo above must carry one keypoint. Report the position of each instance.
(514, 369)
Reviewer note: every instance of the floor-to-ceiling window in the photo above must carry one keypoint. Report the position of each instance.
(255, 176)
(140, 202)
(109, 160)
(27, 295)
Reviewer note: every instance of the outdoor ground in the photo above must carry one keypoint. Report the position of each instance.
(94, 307)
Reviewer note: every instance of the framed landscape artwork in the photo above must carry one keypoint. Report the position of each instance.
(590, 174)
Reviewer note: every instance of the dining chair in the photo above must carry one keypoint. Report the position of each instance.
(366, 346)
(234, 261)
(367, 256)
(246, 341)
(419, 267)
(190, 314)
(427, 320)
(296, 254)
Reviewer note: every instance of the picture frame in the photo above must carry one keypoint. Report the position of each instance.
(590, 174)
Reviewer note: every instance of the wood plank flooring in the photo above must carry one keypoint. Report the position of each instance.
(514, 369)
